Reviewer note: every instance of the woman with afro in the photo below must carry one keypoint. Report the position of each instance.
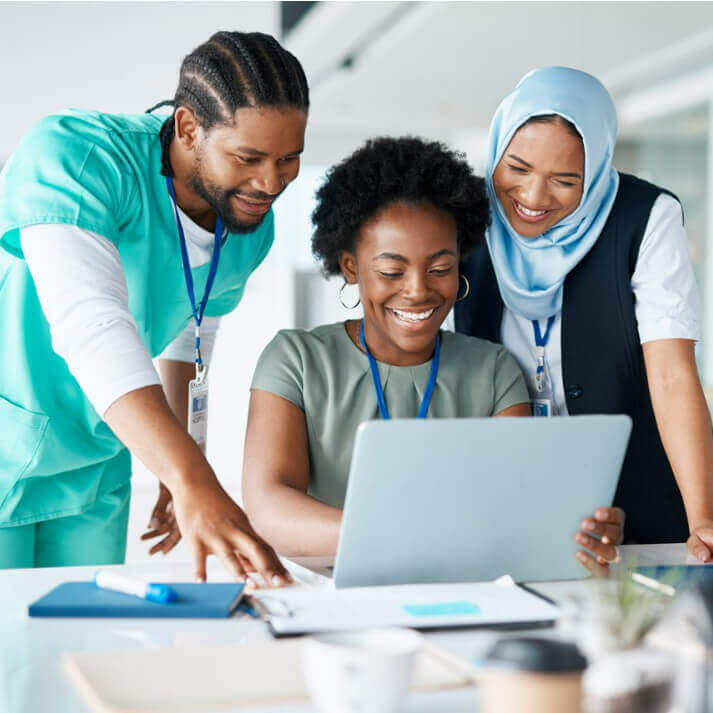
(394, 219)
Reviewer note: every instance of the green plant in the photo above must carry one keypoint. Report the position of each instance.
(628, 609)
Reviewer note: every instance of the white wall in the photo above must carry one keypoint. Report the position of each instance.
(110, 56)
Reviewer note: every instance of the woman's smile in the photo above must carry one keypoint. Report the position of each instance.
(413, 319)
(530, 215)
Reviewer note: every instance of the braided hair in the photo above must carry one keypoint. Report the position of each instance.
(230, 71)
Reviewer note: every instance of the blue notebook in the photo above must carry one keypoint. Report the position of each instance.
(85, 599)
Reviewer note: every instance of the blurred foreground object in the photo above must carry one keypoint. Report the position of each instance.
(532, 675)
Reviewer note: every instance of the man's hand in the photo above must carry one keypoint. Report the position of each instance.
(241, 560)
(163, 522)
(207, 518)
(212, 523)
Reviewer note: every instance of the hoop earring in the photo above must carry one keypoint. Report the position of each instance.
(341, 298)
(467, 289)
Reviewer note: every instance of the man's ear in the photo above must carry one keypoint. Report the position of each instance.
(187, 129)
(348, 266)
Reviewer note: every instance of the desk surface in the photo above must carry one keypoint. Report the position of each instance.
(31, 679)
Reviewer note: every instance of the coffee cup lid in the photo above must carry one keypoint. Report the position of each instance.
(537, 655)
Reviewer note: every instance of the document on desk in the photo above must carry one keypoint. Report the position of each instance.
(419, 606)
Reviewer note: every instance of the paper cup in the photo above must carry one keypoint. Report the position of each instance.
(533, 675)
(361, 671)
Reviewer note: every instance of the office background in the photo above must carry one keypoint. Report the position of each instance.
(435, 69)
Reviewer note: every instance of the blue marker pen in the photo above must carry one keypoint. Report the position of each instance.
(249, 611)
(159, 593)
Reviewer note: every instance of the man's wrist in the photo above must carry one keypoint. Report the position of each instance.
(196, 475)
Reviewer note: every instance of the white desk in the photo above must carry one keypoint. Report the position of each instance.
(31, 680)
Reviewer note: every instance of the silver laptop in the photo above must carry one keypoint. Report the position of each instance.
(458, 500)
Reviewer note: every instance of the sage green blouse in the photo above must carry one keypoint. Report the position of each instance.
(326, 375)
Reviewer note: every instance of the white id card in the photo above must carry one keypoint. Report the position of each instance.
(542, 401)
(198, 411)
(541, 407)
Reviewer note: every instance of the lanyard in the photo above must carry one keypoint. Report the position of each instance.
(425, 403)
(540, 344)
(197, 313)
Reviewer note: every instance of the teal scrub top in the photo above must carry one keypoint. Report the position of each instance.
(100, 172)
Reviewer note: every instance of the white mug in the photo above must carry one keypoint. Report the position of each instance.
(360, 671)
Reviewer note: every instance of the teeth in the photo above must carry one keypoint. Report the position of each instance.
(413, 316)
(531, 213)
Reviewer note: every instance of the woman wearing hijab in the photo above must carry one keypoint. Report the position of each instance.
(587, 280)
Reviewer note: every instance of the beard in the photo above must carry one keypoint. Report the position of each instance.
(219, 199)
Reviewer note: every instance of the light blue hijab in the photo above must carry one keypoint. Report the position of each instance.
(531, 271)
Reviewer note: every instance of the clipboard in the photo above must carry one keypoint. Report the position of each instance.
(501, 604)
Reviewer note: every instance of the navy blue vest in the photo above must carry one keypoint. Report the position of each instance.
(602, 360)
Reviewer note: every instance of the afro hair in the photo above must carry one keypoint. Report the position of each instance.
(389, 170)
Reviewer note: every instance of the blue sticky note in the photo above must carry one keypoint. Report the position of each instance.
(442, 609)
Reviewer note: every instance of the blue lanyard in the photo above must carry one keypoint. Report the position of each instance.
(197, 313)
(540, 344)
(425, 403)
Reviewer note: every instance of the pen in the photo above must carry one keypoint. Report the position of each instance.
(654, 584)
(255, 608)
(248, 610)
(159, 593)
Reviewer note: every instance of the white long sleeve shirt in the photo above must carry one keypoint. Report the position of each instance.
(83, 292)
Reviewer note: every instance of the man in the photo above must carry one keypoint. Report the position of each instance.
(97, 214)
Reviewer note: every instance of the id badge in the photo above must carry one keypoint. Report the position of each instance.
(198, 411)
(541, 407)
(542, 398)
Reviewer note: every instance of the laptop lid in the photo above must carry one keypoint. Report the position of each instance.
(459, 500)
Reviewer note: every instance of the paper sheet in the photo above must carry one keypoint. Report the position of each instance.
(414, 605)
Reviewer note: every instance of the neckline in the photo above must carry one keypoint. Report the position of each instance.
(197, 230)
(423, 366)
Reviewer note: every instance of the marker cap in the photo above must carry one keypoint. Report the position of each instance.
(160, 593)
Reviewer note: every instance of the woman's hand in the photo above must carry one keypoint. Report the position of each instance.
(163, 522)
(700, 543)
(600, 536)
(684, 424)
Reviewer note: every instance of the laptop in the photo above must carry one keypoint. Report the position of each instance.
(465, 500)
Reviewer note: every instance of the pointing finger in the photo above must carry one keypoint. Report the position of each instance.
(199, 557)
